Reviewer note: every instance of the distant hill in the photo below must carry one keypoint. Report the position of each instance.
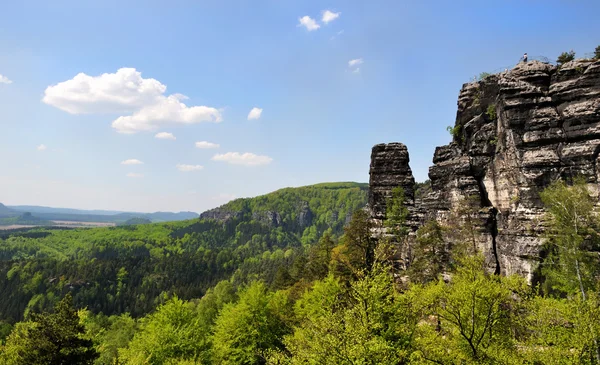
(7, 212)
(41, 209)
(245, 239)
(320, 207)
(103, 216)
(24, 219)
(136, 221)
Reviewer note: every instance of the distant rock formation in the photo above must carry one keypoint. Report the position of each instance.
(515, 133)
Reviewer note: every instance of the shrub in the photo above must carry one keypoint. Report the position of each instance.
(455, 131)
(565, 57)
(491, 112)
(484, 75)
(597, 53)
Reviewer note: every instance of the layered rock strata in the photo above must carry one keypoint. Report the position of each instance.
(515, 133)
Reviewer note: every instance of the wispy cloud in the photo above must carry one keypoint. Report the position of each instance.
(246, 159)
(355, 62)
(5, 80)
(132, 161)
(41, 147)
(206, 145)
(353, 65)
(165, 135)
(188, 168)
(134, 175)
(309, 23)
(329, 16)
(255, 113)
(337, 34)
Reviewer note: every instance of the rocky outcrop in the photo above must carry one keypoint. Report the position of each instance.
(515, 133)
(220, 215)
(389, 168)
(268, 218)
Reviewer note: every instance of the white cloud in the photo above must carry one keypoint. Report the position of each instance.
(247, 159)
(134, 175)
(188, 168)
(205, 144)
(132, 161)
(309, 23)
(165, 135)
(167, 110)
(329, 16)
(5, 80)
(42, 147)
(126, 91)
(255, 113)
(356, 70)
(355, 62)
(123, 91)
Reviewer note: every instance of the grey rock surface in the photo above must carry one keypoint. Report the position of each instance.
(519, 131)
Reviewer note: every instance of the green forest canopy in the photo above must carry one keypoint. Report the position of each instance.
(279, 297)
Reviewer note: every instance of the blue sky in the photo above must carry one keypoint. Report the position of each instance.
(61, 145)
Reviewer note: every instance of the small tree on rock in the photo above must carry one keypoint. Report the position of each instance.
(565, 57)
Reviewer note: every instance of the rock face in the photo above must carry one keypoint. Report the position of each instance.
(220, 215)
(389, 168)
(515, 133)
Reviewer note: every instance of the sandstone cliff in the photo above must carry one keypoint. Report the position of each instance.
(515, 133)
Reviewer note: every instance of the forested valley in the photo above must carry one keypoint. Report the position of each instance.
(299, 277)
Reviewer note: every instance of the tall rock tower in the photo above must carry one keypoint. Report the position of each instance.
(515, 133)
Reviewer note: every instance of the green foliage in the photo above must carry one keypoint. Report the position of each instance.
(464, 233)
(422, 189)
(455, 132)
(566, 330)
(24, 219)
(491, 112)
(246, 330)
(357, 255)
(109, 334)
(257, 290)
(172, 332)
(396, 214)
(319, 258)
(597, 53)
(368, 323)
(472, 318)
(136, 220)
(565, 57)
(5, 329)
(430, 253)
(484, 75)
(570, 267)
(50, 338)
(183, 258)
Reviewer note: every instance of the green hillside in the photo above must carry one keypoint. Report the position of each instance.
(246, 284)
(132, 268)
(7, 212)
(24, 219)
